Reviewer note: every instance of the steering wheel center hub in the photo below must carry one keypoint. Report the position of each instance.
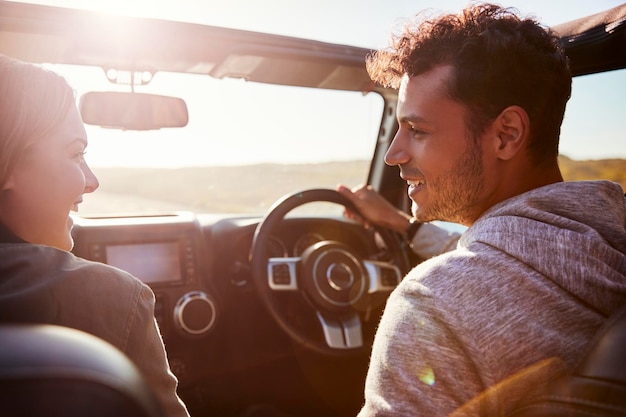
(340, 276)
(333, 277)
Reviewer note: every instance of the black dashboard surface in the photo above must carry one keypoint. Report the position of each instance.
(222, 343)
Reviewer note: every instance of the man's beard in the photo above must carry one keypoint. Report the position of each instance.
(457, 191)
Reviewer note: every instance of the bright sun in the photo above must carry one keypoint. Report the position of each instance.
(137, 8)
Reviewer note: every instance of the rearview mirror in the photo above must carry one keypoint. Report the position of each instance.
(132, 111)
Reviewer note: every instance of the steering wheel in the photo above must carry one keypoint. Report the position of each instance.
(334, 280)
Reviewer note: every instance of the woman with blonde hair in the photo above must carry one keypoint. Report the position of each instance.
(43, 177)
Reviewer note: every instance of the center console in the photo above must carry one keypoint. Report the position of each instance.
(165, 252)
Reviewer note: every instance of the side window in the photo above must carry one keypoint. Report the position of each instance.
(593, 141)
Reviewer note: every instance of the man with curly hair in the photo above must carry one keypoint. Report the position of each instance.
(482, 96)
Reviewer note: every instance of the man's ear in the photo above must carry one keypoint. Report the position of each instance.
(512, 129)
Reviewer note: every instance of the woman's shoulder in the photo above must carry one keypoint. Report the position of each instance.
(59, 265)
(44, 284)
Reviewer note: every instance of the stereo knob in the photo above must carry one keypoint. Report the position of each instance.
(194, 313)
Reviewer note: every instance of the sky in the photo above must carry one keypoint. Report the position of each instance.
(368, 23)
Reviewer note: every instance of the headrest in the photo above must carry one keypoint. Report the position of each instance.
(57, 371)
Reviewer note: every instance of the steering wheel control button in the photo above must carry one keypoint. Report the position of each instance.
(383, 276)
(389, 277)
(282, 274)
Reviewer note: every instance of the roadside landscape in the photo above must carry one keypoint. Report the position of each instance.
(235, 189)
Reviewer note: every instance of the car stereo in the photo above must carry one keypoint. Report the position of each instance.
(159, 262)
(159, 250)
(150, 262)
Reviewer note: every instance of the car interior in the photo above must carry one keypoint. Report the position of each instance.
(69, 373)
(250, 315)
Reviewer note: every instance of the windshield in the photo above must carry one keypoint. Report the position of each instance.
(248, 144)
(245, 146)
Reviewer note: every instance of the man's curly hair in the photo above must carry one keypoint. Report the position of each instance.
(498, 60)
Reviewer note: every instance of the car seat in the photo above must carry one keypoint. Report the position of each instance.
(55, 371)
(549, 388)
(596, 388)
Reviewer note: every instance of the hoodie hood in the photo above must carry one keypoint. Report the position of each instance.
(572, 232)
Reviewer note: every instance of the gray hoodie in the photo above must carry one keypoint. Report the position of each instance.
(532, 279)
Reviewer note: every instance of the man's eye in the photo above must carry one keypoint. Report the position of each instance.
(416, 131)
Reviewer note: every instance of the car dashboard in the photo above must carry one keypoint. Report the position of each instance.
(222, 344)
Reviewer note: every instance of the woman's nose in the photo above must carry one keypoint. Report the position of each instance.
(91, 182)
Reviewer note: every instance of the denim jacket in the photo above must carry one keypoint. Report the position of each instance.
(42, 284)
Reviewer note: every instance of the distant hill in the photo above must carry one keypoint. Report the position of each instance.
(607, 169)
(215, 189)
(233, 189)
